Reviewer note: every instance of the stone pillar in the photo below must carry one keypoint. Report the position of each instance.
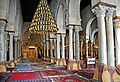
(87, 48)
(2, 28)
(51, 51)
(47, 46)
(11, 46)
(16, 47)
(55, 50)
(44, 46)
(6, 46)
(58, 49)
(81, 48)
(77, 48)
(70, 43)
(110, 39)
(100, 13)
(117, 40)
(63, 50)
(91, 49)
(18, 44)
(70, 61)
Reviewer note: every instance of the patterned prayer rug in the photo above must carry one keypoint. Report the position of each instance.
(52, 73)
(88, 73)
(71, 78)
(27, 77)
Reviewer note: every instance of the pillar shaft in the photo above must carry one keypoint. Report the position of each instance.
(81, 50)
(100, 13)
(11, 47)
(2, 26)
(77, 50)
(47, 44)
(51, 49)
(55, 51)
(87, 48)
(117, 41)
(70, 43)
(16, 47)
(58, 46)
(63, 46)
(110, 39)
(91, 45)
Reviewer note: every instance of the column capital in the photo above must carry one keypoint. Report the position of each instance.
(117, 23)
(2, 23)
(71, 27)
(77, 28)
(110, 12)
(99, 10)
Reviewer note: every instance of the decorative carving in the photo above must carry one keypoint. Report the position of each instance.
(99, 10)
(110, 11)
(117, 23)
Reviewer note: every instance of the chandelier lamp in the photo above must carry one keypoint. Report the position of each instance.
(43, 20)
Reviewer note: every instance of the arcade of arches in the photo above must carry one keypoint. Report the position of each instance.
(87, 43)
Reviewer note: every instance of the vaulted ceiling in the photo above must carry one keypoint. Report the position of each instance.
(29, 7)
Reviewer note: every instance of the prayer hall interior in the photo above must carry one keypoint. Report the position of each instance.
(59, 40)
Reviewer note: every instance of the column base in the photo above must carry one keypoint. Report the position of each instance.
(52, 60)
(105, 74)
(73, 65)
(47, 59)
(61, 62)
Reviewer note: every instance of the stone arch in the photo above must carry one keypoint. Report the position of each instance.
(88, 27)
(74, 12)
(61, 16)
(93, 33)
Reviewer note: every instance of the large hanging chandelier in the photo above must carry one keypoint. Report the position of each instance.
(43, 19)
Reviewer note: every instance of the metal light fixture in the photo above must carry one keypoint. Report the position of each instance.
(43, 20)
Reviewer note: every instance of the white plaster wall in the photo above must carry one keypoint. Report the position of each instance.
(85, 15)
(4, 5)
(24, 27)
(74, 12)
(118, 8)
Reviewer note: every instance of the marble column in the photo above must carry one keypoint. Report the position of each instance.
(70, 43)
(91, 49)
(58, 49)
(87, 48)
(6, 46)
(16, 47)
(11, 46)
(51, 51)
(44, 54)
(18, 44)
(63, 49)
(100, 13)
(110, 38)
(47, 45)
(2, 28)
(81, 48)
(77, 48)
(117, 40)
(55, 50)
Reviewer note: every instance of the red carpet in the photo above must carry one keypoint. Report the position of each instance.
(88, 73)
(47, 73)
(72, 78)
(26, 76)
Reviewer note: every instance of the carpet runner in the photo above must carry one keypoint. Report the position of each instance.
(70, 78)
(53, 73)
(27, 77)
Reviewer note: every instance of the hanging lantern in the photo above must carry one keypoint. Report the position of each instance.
(43, 19)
